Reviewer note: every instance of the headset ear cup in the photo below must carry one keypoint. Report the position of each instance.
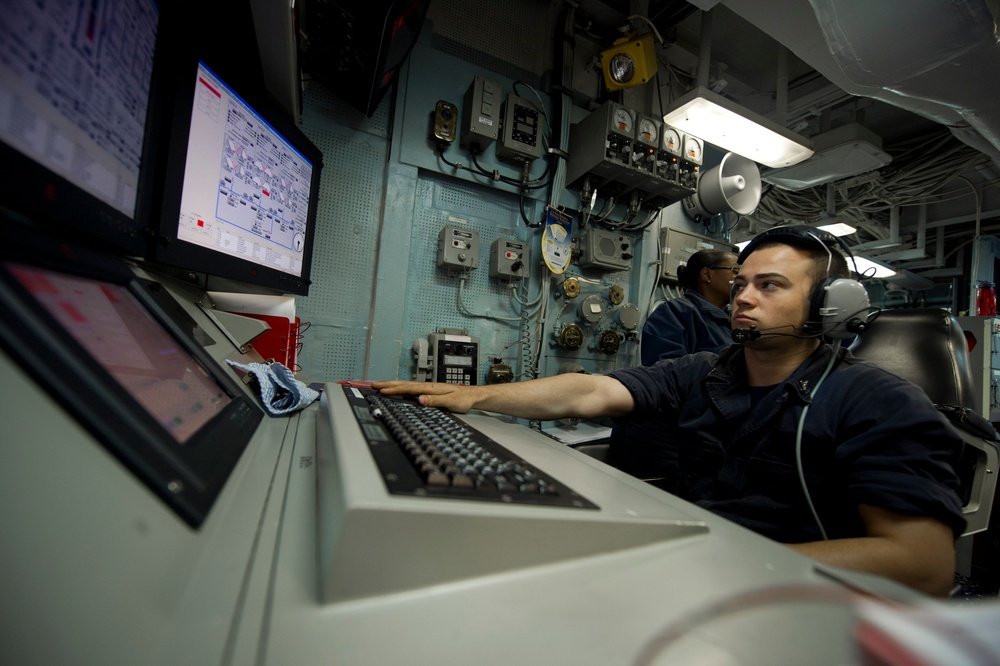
(845, 308)
(817, 303)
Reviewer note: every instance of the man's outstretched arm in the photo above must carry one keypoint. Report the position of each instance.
(914, 550)
(570, 395)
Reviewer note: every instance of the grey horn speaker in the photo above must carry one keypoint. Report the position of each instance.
(733, 185)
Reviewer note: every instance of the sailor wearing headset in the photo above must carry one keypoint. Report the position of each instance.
(781, 432)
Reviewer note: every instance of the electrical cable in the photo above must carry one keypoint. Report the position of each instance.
(464, 310)
(798, 440)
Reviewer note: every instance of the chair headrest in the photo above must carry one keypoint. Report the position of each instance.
(926, 346)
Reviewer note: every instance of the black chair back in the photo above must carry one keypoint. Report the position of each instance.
(928, 347)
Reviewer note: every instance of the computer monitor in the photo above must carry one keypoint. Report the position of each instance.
(75, 87)
(121, 355)
(240, 189)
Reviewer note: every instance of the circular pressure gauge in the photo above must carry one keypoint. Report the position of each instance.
(571, 337)
(648, 133)
(609, 342)
(671, 141)
(692, 149)
(623, 121)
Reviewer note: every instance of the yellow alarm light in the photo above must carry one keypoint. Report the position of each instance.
(631, 61)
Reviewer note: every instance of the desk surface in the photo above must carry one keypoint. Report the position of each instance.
(97, 570)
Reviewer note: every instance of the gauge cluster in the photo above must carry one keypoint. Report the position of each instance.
(619, 152)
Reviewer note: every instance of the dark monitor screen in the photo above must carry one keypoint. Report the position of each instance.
(111, 350)
(241, 189)
(108, 321)
(75, 90)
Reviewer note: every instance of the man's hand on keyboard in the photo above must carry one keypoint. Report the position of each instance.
(454, 398)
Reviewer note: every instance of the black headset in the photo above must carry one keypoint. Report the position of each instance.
(839, 307)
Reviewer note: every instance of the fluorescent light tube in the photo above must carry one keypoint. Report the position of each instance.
(723, 123)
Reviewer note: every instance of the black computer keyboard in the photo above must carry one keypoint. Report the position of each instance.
(428, 452)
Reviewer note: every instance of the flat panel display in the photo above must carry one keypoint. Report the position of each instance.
(241, 192)
(109, 349)
(75, 100)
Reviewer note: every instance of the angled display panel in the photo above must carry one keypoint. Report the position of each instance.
(241, 189)
(75, 129)
(104, 345)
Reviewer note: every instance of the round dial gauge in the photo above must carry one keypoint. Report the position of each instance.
(623, 120)
(671, 141)
(692, 150)
(647, 131)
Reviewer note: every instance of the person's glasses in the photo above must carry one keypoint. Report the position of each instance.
(732, 269)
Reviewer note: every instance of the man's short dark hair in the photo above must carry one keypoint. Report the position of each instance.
(827, 260)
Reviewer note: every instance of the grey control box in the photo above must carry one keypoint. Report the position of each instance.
(521, 131)
(480, 115)
(606, 250)
(458, 248)
(678, 246)
(508, 258)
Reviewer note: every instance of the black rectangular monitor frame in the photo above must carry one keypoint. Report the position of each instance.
(32, 189)
(187, 476)
(171, 250)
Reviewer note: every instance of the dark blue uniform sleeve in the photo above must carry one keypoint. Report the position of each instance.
(897, 452)
(663, 335)
(683, 326)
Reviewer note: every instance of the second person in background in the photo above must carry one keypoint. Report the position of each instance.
(698, 320)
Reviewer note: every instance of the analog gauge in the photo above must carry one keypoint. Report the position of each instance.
(623, 121)
(692, 150)
(647, 131)
(671, 141)
(571, 337)
(609, 342)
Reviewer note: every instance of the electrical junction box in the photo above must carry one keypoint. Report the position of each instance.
(509, 259)
(520, 131)
(481, 115)
(458, 248)
(677, 247)
(607, 250)
(601, 144)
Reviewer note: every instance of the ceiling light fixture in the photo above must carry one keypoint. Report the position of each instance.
(838, 228)
(724, 123)
(842, 152)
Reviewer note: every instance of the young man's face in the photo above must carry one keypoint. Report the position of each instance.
(771, 292)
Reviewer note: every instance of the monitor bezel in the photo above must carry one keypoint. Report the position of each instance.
(31, 189)
(171, 250)
(187, 476)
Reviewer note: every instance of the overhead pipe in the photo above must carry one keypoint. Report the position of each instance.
(781, 88)
(891, 241)
(705, 49)
(920, 249)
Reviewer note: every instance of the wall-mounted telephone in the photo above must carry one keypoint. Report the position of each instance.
(448, 355)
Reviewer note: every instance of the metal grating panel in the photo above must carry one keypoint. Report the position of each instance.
(348, 217)
(433, 294)
(515, 32)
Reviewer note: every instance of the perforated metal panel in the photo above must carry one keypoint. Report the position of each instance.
(514, 32)
(354, 155)
(433, 294)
